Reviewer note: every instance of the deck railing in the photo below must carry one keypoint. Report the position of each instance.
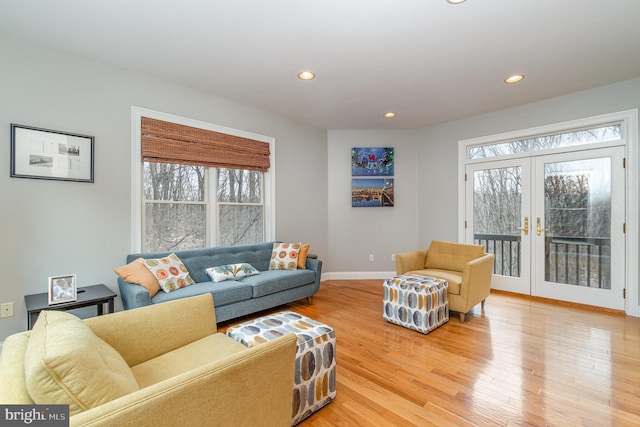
(506, 249)
(569, 260)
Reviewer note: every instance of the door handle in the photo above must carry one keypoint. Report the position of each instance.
(539, 228)
(526, 226)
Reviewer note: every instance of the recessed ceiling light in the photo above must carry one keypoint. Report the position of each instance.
(456, 1)
(514, 79)
(389, 115)
(306, 75)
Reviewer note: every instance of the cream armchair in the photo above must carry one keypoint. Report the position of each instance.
(161, 365)
(466, 267)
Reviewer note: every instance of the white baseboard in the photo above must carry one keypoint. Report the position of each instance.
(357, 275)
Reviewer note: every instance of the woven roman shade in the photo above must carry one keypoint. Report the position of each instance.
(166, 142)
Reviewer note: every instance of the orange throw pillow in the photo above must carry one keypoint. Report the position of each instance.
(302, 256)
(136, 272)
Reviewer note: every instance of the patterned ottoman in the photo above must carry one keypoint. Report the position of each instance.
(416, 302)
(315, 371)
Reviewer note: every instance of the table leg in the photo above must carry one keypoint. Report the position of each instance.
(111, 305)
(32, 318)
(100, 309)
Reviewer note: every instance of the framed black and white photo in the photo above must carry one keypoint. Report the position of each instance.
(62, 289)
(51, 154)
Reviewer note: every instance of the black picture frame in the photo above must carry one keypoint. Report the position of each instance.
(50, 154)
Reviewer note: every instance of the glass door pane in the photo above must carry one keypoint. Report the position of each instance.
(577, 211)
(579, 237)
(499, 216)
(497, 202)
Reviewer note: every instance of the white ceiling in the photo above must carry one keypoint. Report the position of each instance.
(427, 60)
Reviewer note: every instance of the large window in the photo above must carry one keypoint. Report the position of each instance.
(178, 213)
(199, 187)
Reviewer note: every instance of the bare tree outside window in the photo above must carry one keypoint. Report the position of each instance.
(177, 207)
(497, 201)
(240, 203)
(546, 142)
(578, 218)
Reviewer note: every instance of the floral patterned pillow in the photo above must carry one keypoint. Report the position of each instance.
(170, 272)
(285, 256)
(231, 271)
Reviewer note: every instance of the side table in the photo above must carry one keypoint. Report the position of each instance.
(87, 296)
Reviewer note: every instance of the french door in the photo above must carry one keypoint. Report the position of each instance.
(555, 223)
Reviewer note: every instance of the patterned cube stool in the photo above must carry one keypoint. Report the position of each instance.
(416, 302)
(315, 370)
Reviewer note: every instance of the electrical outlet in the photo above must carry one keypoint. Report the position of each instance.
(6, 310)
(393, 257)
(370, 257)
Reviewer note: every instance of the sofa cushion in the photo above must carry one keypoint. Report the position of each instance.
(13, 388)
(454, 278)
(136, 272)
(451, 256)
(170, 272)
(66, 363)
(185, 358)
(285, 256)
(272, 281)
(231, 271)
(223, 293)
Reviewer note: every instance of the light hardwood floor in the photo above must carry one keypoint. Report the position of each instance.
(521, 362)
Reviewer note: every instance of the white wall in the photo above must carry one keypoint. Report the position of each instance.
(53, 227)
(354, 233)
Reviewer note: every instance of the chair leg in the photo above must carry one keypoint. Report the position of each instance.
(309, 300)
(462, 317)
(482, 304)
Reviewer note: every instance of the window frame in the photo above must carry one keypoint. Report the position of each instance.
(586, 145)
(216, 203)
(137, 197)
(206, 202)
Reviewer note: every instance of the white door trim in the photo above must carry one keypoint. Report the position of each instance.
(629, 120)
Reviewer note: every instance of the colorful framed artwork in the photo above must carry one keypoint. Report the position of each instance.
(371, 192)
(372, 161)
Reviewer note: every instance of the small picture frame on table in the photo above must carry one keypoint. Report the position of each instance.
(62, 289)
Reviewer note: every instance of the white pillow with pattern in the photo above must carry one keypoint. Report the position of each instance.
(285, 256)
(231, 271)
(170, 272)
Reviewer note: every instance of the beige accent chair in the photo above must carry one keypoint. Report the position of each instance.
(466, 267)
(161, 365)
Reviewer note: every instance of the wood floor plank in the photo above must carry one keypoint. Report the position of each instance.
(521, 362)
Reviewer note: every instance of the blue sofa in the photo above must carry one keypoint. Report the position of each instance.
(232, 298)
